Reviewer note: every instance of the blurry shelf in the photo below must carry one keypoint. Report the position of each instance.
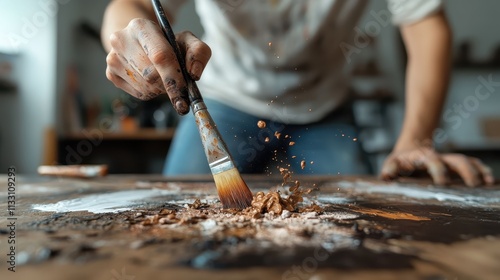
(477, 68)
(141, 134)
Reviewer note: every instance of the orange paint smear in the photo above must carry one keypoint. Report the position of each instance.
(389, 214)
(131, 75)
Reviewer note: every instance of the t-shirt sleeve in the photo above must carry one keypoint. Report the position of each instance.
(410, 11)
(172, 6)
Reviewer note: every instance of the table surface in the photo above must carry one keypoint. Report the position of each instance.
(146, 227)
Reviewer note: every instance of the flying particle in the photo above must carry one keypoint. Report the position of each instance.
(261, 124)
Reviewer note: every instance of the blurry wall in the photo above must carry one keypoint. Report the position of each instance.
(475, 22)
(28, 28)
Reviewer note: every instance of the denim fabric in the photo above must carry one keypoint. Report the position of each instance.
(329, 144)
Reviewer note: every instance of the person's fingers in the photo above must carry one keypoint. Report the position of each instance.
(143, 67)
(127, 69)
(485, 171)
(121, 83)
(389, 169)
(162, 56)
(436, 169)
(464, 168)
(197, 53)
(136, 85)
(114, 63)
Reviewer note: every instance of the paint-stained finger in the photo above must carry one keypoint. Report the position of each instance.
(124, 66)
(162, 56)
(485, 171)
(143, 67)
(197, 53)
(132, 82)
(464, 168)
(119, 82)
(436, 169)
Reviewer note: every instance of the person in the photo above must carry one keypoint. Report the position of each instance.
(282, 62)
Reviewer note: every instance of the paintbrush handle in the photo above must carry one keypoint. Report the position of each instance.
(215, 148)
(193, 91)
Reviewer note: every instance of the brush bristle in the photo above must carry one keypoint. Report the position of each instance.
(232, 190)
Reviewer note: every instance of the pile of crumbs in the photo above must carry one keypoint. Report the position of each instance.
(275, 203)
(264, 221)
(281, 217)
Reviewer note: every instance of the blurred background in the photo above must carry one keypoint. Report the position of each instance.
(57, 107)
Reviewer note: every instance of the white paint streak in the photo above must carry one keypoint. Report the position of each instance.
(440, 194)
(333, 199)
(103, 203)
(28, 188)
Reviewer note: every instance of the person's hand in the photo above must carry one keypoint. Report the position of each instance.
(142, 62)
(439, 166)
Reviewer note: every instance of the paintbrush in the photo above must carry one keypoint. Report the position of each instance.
(232, 190)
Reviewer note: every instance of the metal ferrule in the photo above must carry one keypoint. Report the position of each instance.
(198, 105)
(222, 165)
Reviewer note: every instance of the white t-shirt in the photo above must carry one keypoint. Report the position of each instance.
(284, 59)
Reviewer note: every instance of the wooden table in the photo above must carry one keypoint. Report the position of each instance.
(146, 227)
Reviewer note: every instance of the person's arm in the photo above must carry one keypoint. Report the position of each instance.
(428, 44)
(140, 59)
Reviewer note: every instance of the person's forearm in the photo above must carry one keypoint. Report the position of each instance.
(428, 44)
(119, 13)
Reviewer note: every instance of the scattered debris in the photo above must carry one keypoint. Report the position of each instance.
(303, 164)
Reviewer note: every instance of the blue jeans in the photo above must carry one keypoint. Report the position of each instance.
(329, 147)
